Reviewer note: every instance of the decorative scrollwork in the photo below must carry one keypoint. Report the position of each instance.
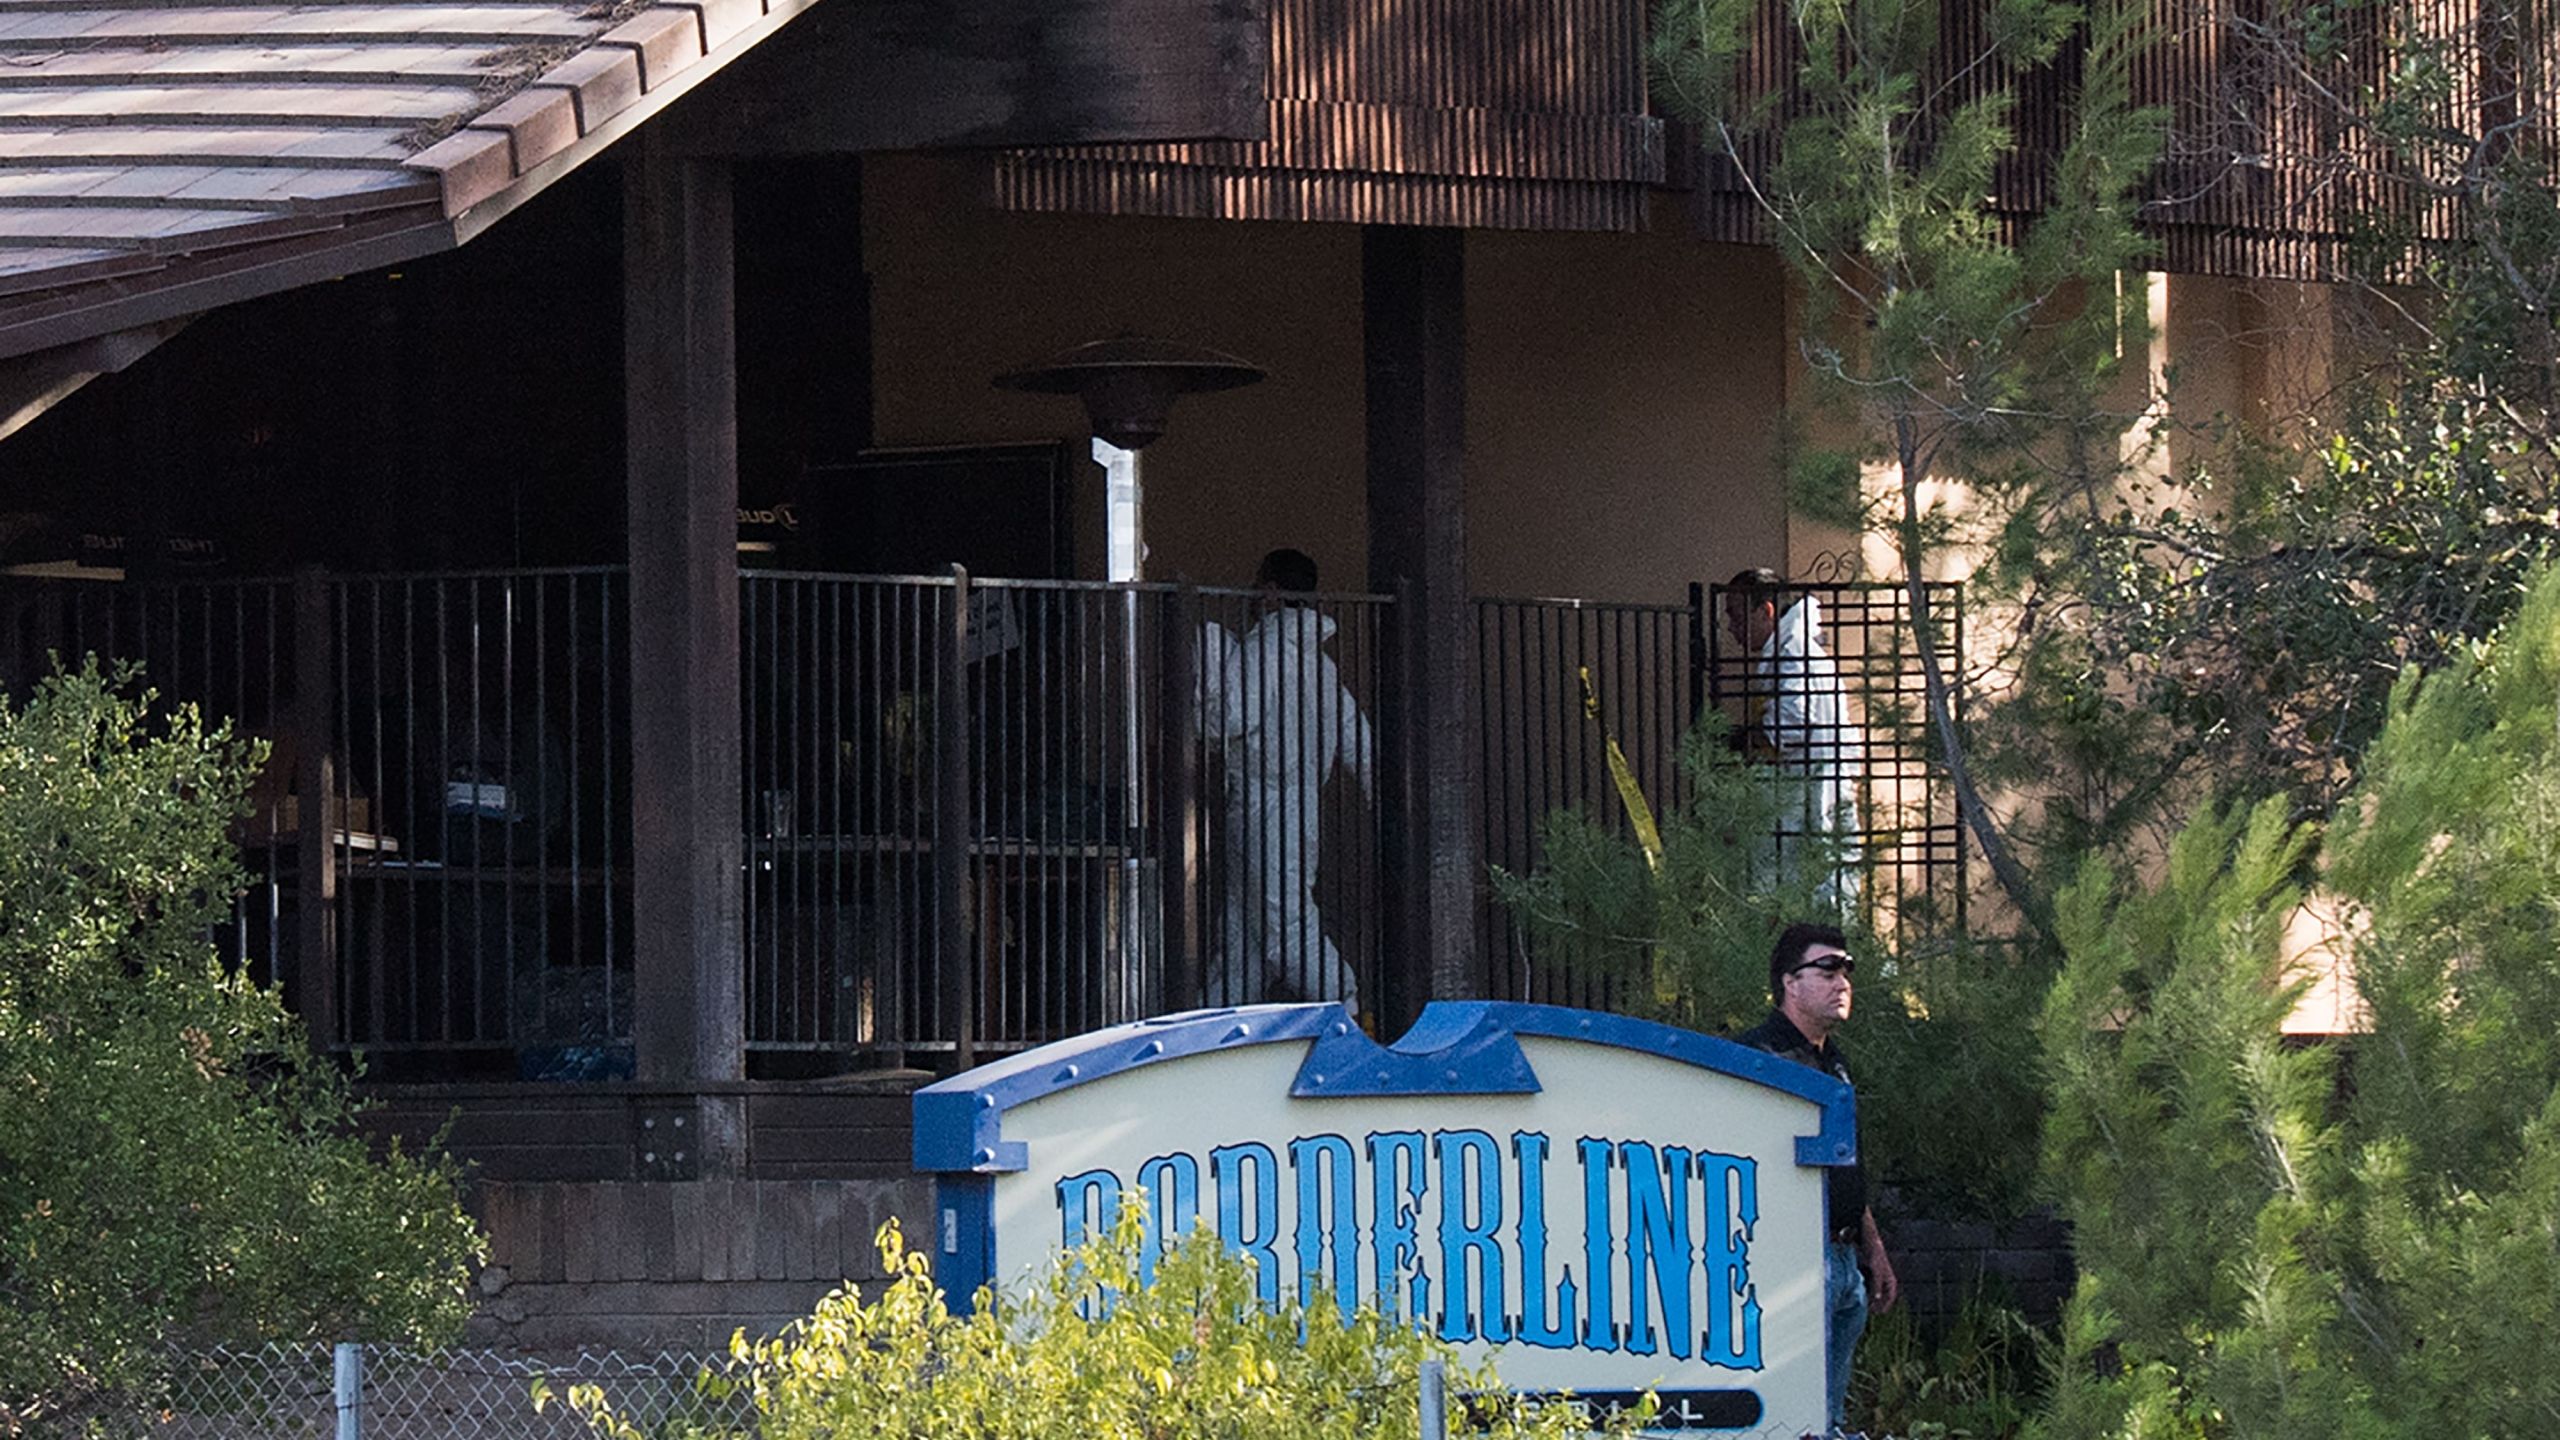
(1833, 567)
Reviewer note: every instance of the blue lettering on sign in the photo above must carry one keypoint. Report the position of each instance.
(1087, 1203)
(1546, 1318)
(1658, 1252)
(1732, 1185)
(1667, 1227)
(1466, 1189)
(1229, 1163)
(1328, 1219)
(1395, 1159)
(1599, 1246)
(1172, 1186)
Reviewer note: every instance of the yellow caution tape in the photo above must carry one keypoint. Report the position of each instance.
(1630, 794)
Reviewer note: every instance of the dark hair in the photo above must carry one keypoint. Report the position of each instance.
(1788, 953)
(1758, 577)
(1287, 569)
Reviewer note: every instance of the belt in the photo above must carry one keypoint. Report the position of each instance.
(1846, 1234)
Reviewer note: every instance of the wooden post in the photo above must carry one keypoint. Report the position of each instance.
(1413, 287)
(679, 364)
(1403, 886)
(954, 934)
(314, 785)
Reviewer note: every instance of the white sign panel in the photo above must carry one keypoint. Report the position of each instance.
(1602, 1205)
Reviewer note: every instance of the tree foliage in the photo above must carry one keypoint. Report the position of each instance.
(2392, 517)
(2232, 626)
(174, 1161)
(2239, 630)
(1120, 1337)
(2264, 1251)
(1951, 341)
(1944, 1046)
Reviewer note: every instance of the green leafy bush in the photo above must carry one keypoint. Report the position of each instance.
(1943, 1041)
(2269, 1247)
(174, 1162)
(1088, 1352)
(1981, 1376)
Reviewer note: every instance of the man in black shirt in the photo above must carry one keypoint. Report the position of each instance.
(1809, 972)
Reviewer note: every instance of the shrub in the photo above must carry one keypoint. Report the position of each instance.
(174, 1161)
(1979, 1378)
(2266, 1251)
(1943, 1042)
(1087, 1352)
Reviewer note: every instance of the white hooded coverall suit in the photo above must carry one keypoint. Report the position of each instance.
(1276, 700)
(1805, 719)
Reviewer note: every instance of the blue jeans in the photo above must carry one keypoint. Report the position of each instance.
(1844, 1294)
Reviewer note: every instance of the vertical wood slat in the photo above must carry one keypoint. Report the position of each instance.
(1533, 114)
(2262, 176)
(1483, 115)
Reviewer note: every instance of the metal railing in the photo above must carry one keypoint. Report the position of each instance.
(1541, 751)
(485, 716)
(976, 814)
(1848, 714)
(462, 883)
(1653, 670)
(990, 813)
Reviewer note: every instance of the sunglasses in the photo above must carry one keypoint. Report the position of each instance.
(1840, 965)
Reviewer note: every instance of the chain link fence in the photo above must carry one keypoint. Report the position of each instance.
(386, 1392)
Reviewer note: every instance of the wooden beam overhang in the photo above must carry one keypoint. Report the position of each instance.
(935, 74)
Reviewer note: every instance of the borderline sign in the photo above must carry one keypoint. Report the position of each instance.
(1598, 1204)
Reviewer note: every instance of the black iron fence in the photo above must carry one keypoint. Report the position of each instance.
(1826, 686)
(976, 814)
(995, 812)
(1826, 682)
(483, 718)
(438, 844)
(1558, 678)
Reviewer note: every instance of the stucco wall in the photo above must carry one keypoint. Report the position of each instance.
(1621, 411)
(961, 293)
(1621, 389)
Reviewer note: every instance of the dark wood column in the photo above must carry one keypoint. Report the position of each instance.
(1413, 284)
(681, 400)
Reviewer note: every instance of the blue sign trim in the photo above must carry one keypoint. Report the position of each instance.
(965, 1211)
(1451, 1050)
(1456, 1048)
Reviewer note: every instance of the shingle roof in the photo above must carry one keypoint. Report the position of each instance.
(160, 158)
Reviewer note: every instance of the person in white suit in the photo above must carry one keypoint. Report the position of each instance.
(1801, 723)
(1274, 700)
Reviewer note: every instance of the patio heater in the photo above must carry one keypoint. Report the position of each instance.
(1128, 385)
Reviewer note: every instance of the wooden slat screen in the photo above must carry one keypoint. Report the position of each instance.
(2268, 171)
(1533, 114)
(1525, 114)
